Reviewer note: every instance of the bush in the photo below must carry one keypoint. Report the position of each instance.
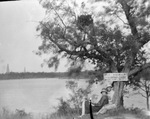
(64, 109)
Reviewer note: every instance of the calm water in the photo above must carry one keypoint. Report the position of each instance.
(40, 95)
(35, 95)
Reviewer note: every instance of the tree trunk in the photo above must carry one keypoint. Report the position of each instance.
(118, 96)
(147, 100)
(118, 89)
(147, 103)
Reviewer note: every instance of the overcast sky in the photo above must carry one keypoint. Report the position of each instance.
(18, 36)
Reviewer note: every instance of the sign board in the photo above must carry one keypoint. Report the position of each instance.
(116, 76)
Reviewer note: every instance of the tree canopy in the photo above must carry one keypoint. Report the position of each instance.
(108, 33)
(96, 38)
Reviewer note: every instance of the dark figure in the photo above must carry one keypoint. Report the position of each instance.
(97, 106)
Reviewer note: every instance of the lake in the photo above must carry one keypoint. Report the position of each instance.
(33, 95)
(40, 95)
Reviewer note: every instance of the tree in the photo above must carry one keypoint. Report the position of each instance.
(143, 83)
(111, 38)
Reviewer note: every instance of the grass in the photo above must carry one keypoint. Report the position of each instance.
(132, 113)
(6, 114)
(114, 114)
(63, 116)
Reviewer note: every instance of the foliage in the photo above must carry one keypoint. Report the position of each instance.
(111, 39)
(77, 94)
(74, 71)
(83, 21)
(71, 106)
(6, 114)
(108, 47)
(64, 108)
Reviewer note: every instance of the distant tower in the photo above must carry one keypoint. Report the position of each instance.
(7, 70)
(24, 70)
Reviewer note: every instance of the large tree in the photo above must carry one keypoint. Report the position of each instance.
(109, 35)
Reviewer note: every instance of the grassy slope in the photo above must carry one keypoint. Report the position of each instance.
(120, 114)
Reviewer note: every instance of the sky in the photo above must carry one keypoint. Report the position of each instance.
(18, 36)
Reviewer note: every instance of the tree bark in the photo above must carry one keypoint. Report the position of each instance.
(118, 89)
(118, 96)
(147, 102)
(147, 96)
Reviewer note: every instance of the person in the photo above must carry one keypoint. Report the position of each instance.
(103, 101)
(111, 104)
(95, 106)
(110, 90)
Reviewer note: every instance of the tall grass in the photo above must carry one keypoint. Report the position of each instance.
(133, 113)
(19, 114)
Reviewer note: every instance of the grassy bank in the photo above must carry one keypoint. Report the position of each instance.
(113, 114)
(121, 114)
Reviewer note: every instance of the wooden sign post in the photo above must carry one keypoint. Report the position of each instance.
(116, 77)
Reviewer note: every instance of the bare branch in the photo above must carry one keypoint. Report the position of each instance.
(121, 19)
(59, 16)
(142, 89)
(142, 94)
(142, 83)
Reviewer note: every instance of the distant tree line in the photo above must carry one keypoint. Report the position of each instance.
(31, 75)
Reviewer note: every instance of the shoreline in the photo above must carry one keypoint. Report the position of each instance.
(41, 75)
(46, 78)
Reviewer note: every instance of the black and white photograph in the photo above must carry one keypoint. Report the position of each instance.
(74, 59)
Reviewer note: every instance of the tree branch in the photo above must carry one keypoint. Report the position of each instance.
(138, 69)
(130, 18)
(59, 17)
(77, 53)
(142, 94)
(134, 31)
(121, 19)
(142, 88)
(142, 84)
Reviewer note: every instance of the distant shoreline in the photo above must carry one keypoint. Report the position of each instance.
(39, 75)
